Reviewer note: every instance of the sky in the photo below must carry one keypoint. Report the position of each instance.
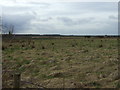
(69, 18)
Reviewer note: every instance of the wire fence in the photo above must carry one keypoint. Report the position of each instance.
(17, 82)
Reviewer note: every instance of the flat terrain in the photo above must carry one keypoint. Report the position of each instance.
(77, 62)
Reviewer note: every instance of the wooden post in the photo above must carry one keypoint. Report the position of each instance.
(17, 80)
(63, 83)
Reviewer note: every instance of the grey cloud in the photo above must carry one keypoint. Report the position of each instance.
(19, 22)
(70, 21)
(85, 20)
(71, 15)
(34, 13)
(66, 20)
(47, 19)
(113, 17)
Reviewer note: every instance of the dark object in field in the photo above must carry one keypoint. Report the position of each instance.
(85, 51)
(52, 43)
(33, 46)
(100, 46)
(76, 43)
(4, 47)
(10, 45)
(77, 85)
(22, 52)
(43, 47)
(23, 45)
(9, 56)
(37, 53)
(56, 74)
(87, 36)
(33, 42)
(73, 45)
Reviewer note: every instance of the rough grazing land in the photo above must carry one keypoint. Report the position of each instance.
(61, 63)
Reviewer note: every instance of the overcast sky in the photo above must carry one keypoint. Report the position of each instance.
(61, 17)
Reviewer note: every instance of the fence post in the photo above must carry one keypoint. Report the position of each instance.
(17, 80)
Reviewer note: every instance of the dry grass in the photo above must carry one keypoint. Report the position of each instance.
(57, 63)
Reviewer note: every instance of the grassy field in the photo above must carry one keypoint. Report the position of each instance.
(61, 62)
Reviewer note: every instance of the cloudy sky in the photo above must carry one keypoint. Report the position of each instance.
(74, 18)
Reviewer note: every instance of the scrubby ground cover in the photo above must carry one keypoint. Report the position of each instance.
(61, 63)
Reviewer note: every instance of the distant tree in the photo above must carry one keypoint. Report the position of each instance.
(7, 29)
(11, 29)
